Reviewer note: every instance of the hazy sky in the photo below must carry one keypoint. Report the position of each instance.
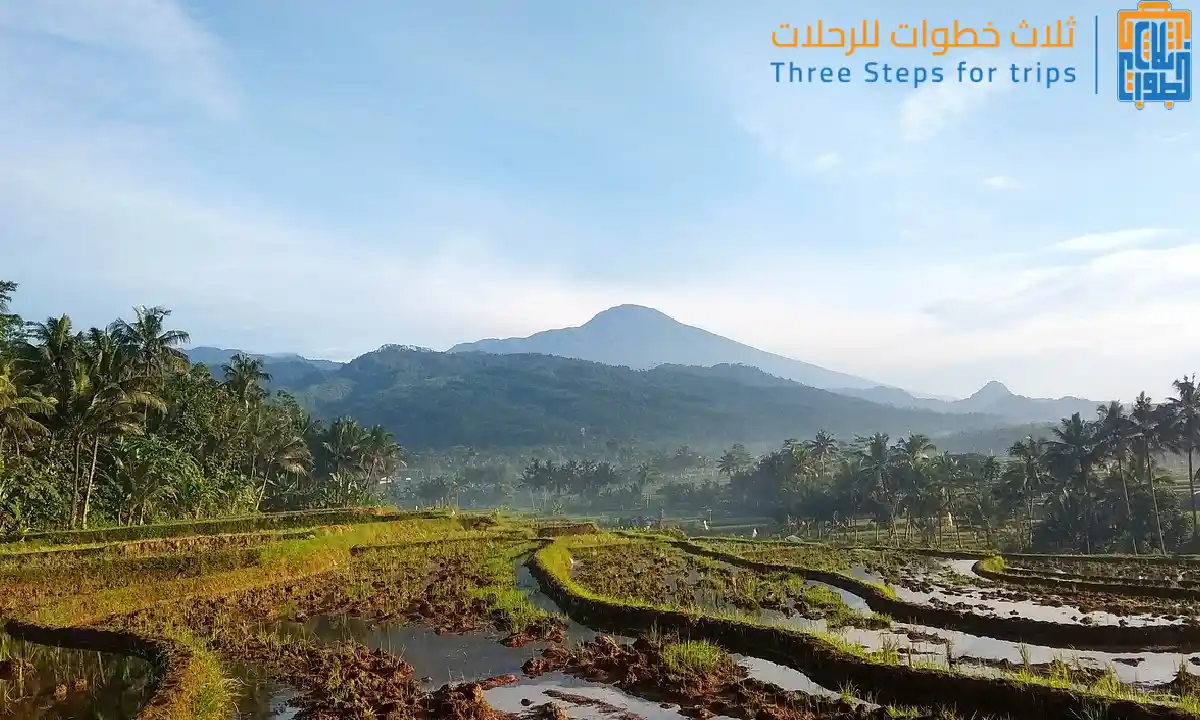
(327, 177)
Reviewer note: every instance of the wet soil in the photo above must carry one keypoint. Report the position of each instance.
(725, 690)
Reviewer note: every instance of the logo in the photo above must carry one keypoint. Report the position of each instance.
(1154, 54)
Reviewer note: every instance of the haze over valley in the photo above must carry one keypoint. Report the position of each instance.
(636, 373)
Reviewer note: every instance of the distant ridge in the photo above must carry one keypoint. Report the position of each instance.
(286, 369)
(477, 399)
(994, 398)
(641, 338)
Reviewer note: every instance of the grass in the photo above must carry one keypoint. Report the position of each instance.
(694, 657)
(219, 526)
(995, 564)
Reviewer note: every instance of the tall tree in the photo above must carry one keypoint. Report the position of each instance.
(1025, 475)
(733, 461)
(18, 410)
(246, 377)
(1184, 413)
(1114, 434)
(10, 323)
(147, 339)
(1072, 455)
(1149, 438)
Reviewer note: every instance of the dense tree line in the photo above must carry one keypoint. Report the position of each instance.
(114, 425)
(1092, 485)
(622, 479)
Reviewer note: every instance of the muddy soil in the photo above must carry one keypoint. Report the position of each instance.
(725, 690)
(439, 593)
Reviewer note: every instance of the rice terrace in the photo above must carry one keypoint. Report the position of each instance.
(379, 613)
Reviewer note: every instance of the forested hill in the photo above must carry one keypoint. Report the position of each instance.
(435, 400)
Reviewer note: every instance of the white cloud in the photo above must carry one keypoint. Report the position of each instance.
(929, 110)
(157, 33)
(1100, 242)
(826, 161)
(1001, 182)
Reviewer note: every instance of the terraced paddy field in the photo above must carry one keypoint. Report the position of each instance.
(381, 614)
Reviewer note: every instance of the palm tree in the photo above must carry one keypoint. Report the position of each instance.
(1114, 434)
(381, 454)
(1184, 413)
(18, 409)
(1072, 454)
(144, 472)
(246, 377)
(735, 459)
(1148, 439)
(111, 401)
(1025, 474)
(910, 460)
(49, 354)
(282, 452)
(8, 321)
(149, 341)
(823, 448)
(876, 462)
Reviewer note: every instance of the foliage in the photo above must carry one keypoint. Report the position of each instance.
(115, 426)
(1093, 480)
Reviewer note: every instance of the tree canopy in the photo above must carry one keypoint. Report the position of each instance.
(114, 424)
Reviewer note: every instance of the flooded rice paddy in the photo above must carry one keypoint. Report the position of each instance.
(448, 619)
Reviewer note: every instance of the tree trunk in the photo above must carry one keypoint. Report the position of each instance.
(1089, 515)
(87, 498)
(75, 488)
(1192, 486)
(1128, 506)
(262, 491)
(1154, 497)
(1030, 521)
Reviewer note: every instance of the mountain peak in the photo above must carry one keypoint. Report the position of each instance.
(625, 313)
(641, 337)
(993, 390)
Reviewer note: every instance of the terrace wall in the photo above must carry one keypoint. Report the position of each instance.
(1015, 629)
(830, 667)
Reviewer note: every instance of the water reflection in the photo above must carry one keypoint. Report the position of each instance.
(47, 683)
(579, 699)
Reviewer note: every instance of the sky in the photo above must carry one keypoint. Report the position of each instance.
(326, 178)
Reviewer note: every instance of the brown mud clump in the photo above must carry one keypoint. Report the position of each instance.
(466, 702)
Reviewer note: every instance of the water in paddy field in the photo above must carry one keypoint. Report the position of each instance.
(257, 698)
(579, 699)
(39, 682)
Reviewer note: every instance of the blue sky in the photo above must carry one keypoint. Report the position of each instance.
(326, 178)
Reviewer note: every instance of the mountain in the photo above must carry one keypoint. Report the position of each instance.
(994, 398)
(287, 370)
(216, 357)
(437, 400)
(642, 338)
